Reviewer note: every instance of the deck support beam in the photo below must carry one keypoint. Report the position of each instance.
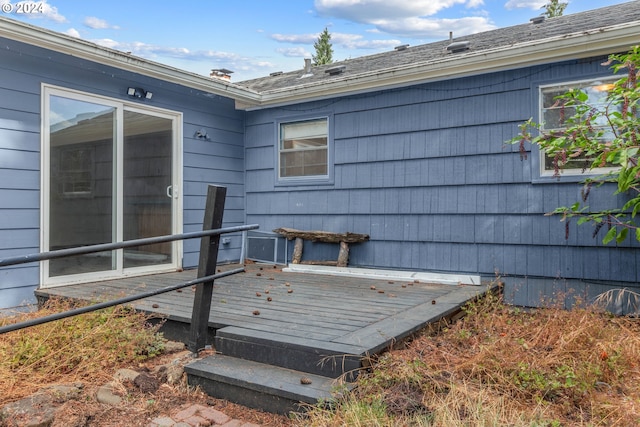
(207, 265)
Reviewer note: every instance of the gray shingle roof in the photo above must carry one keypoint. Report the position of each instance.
(432, 52)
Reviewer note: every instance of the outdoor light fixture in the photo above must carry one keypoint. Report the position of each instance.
(136, 92)
(202, 134)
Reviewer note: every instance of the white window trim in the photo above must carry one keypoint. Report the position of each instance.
(570, 173)
(309, 179)
(47, 91)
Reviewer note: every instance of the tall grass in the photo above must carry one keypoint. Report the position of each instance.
(83, 348)
(503, 366)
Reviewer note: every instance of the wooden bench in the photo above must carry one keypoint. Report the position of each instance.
(321, 236)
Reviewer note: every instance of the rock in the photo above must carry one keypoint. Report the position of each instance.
(32, 411)
(62, 393)
(40, 408)
(173, 346)
(123, 375)
(107, 396)
(174, 374)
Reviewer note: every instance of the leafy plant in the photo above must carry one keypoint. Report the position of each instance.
(607, 135)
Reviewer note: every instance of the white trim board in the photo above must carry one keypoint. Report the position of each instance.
(370, 273)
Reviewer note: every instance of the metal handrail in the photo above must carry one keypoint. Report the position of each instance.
(212, 229)
(111, 246)
(87, 309)
(83, 250)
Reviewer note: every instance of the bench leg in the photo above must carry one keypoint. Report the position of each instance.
(297, 251)
(343, 255)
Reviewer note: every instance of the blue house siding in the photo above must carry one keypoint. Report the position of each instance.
(216, 160)
(425, 172)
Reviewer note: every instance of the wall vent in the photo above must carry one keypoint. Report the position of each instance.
(538, 19)
(338, 69)
(265, 247)
(458, 46)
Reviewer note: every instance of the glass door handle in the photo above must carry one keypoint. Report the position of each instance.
(170, 191)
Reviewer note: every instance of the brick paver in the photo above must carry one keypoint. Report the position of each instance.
(198, 416)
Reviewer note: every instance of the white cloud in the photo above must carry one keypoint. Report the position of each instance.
(217, 59)
(294, 52)
(435, 28)
(348, 41)
(40, 9)
(366, 11)
(107, 43)
(73, 33)
(51, 12)
(98, 24)
(356, 41)
(525, 4)
(295, 38)
(409, 19)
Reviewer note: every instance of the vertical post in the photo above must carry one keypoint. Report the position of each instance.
(206, 267)
(297, 251)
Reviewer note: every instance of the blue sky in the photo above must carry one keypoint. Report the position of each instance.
(254, 38)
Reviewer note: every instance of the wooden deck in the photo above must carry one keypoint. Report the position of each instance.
(271, 328)
(333, 309)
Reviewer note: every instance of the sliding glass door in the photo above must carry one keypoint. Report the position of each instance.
(109, 175)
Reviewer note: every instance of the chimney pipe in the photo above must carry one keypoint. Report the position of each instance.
(307, 65)
(450, 36)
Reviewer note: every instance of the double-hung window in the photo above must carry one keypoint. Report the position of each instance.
(303, 149)
(554, 115)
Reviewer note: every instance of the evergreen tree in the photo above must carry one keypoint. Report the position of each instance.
(554, 8)
(324, 51)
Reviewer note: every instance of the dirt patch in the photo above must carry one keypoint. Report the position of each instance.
(147, 397)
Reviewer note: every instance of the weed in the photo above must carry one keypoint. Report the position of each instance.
(78, 348)
(501, 365)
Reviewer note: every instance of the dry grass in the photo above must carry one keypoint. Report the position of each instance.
(498, 366)
(501, 366)
(86, 348)
(89, 349)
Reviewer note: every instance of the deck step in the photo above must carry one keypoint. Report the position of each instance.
(258, 385)
(317, 357)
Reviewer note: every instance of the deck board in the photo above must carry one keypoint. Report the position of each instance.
(336, 310)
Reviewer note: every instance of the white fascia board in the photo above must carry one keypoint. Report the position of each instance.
(58, 42)
(602, 41)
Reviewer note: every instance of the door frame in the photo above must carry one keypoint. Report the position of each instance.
(176, 117)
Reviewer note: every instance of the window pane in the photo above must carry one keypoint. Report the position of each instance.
(554, 117)
(81, 136)
(303, 149)
(303, 163)
(148, 141)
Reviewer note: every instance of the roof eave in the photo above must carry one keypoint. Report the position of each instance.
(601, 41)
(40, 37)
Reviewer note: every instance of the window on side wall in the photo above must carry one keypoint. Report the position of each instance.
(303, 150)
(553, 115)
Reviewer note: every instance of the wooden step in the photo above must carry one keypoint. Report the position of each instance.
(312, 356)
(257, 385)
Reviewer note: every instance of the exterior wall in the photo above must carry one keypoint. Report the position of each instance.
(218, 160)
(425, 172)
